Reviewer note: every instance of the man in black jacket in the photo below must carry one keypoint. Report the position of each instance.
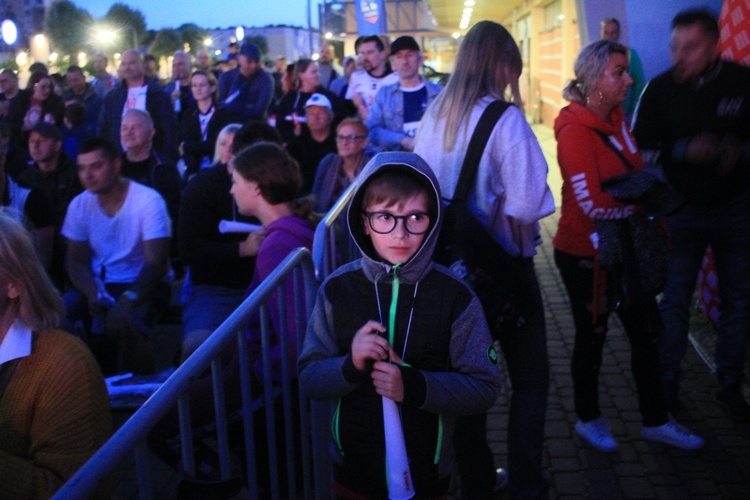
(694, 120)
(134, 92)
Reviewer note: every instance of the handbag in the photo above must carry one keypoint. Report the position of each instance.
(637, 245)
(467, 248)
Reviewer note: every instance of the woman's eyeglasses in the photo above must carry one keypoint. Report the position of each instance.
(348, 138)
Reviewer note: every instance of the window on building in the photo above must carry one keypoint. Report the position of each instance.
(552, 15)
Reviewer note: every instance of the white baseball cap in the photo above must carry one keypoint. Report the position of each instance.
(319, 100)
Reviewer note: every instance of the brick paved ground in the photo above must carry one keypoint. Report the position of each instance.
(639, 469)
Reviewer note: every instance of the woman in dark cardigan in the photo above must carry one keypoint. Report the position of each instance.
(201, 124)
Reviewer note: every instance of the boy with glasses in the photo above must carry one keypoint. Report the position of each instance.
(394, 325)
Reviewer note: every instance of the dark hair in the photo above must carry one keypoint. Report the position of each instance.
(252, 132)
(394, 184)
(57, 78)
(37, 66)
(278, 174)
(74, 69)
(75, 114)
(36, 77)
(9, 72)
(300, 67)
(358, 42)
(702, 17)
(374, 38)
(608, 20)
(151, 57)
(99, 144)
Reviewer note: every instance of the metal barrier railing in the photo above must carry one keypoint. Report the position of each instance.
(332, 248)
(132, 435)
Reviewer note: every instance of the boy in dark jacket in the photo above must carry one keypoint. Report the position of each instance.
(395, 325)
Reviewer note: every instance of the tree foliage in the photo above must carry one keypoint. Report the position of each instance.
(128, 23)
(166, 43)
(194, 36)
(68, 27)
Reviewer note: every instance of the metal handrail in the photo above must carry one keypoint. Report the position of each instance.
(324, 252)
(131, 435)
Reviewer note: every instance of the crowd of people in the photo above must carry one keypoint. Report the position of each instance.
(123, 183)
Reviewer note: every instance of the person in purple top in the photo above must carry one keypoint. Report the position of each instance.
(266, 183)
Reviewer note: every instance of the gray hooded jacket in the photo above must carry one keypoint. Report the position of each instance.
(440, 332)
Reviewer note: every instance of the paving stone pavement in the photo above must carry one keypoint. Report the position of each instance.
(640, 468)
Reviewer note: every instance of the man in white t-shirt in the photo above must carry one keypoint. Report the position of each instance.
(399, 107)
(118, 234)
(364, 84)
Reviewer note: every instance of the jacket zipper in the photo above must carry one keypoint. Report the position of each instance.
(335, 427)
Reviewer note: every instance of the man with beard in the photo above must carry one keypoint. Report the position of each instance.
(376, 72)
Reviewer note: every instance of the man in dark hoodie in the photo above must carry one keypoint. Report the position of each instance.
(414, 334)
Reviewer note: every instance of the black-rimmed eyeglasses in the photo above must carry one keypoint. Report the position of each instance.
(385, 222)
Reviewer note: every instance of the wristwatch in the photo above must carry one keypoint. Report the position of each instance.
(130, 295)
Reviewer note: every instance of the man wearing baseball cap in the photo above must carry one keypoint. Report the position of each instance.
(316, 140)
(404, 101)
(246, 91)
(55, 175)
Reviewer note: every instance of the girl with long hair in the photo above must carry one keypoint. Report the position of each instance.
(509, 197)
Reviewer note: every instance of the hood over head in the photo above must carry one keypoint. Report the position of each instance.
(420, 263)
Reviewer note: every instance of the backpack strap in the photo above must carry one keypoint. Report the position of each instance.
(619, 154)
(477, 144)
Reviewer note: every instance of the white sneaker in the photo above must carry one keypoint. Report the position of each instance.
(501, 480)
(673, 434)
(596, 433)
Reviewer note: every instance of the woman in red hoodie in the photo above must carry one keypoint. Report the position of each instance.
(594, 144)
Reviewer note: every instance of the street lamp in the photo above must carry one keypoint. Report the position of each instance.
(105, 36)
(9, 31)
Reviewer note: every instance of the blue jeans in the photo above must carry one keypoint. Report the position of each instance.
(209, 306)
(145, 314)
(727, 230)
